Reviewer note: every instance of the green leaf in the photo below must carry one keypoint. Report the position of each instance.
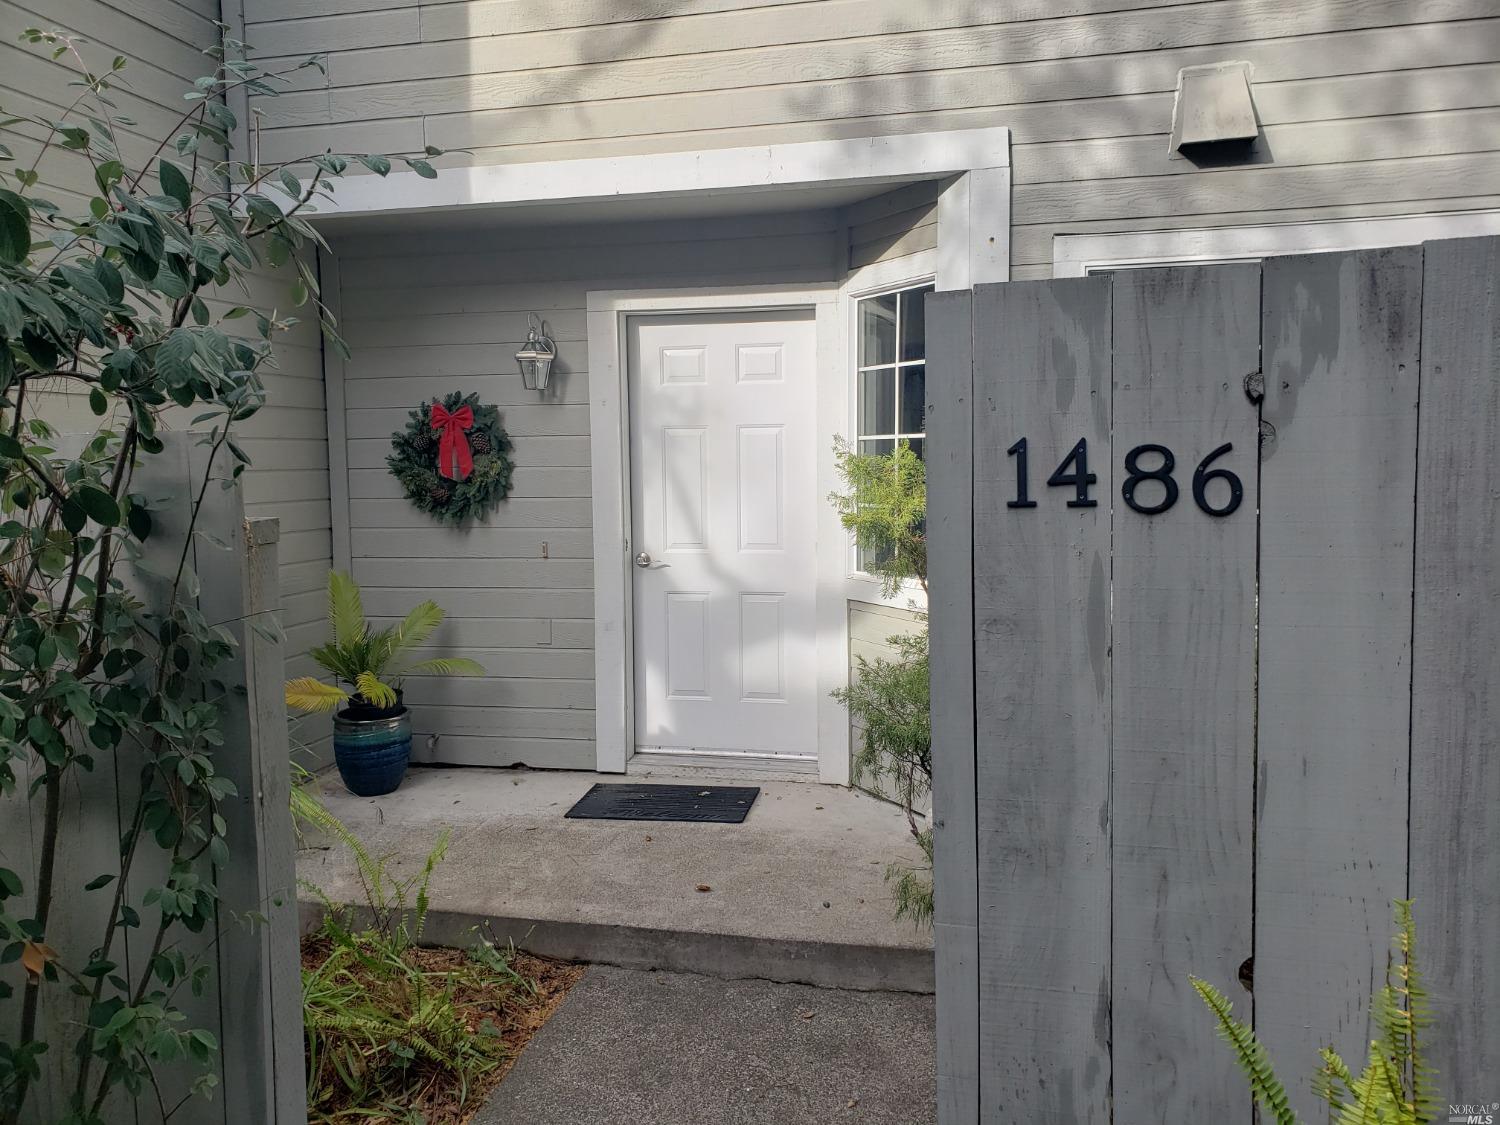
(100, 505)
(263, 209)
(10, 883)
(375, 163)
(73, 516)
(84, 283)
(423, 169)
(99, 881)
(174, 182)
(98, 401)
(174, 358)
(109, 277)
(109, 173)
(12, 317)
(346, 611)
(11, 448)
(15, 228)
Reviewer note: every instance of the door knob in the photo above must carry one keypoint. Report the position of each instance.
(643, 560)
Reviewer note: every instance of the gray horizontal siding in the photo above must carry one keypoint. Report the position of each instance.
(894, 225)
(163, 41)
(1368, 106)
(428, 315)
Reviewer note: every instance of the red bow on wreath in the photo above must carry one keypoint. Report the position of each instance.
(454, 459)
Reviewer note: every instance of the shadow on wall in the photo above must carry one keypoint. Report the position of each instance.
(528, 80)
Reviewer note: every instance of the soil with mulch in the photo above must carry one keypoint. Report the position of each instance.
(517, 1013)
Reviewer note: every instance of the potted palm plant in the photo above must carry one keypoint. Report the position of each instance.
(371, 726)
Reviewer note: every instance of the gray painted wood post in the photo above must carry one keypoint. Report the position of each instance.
(1042, 705)
(260, 986)
(1455, 780)
(1183, 736)
(950, 601)
(1337, 489)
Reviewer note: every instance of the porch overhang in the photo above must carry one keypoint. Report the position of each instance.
(862, 162)
(974, 208)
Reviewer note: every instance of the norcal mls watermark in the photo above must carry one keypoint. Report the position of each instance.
(1483, 1114)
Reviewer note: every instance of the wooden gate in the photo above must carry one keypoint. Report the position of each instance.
(1215, 561)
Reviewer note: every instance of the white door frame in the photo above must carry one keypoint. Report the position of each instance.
(609, 448)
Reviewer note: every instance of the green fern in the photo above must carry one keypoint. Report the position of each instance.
(372, 661)
(1395, 1088)
(378, 1027)
(1264, 1084)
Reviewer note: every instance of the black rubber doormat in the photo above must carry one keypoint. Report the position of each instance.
(714, 804)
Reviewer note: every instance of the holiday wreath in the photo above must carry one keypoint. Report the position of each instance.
(453, 458)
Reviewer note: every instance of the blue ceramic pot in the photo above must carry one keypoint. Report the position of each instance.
(372, 754)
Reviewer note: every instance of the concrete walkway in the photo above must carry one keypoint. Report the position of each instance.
(675, 1049)
(796, 893)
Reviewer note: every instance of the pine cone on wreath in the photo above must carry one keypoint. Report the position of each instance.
(439, 494)
(422, 441)
(480, 442)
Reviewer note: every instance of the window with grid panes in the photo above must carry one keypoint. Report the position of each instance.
(892, 363)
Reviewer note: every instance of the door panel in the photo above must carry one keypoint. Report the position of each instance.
(724, 501)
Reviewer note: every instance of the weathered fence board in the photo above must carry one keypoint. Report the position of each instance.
(1342, 347)
(1042, 706)
(1184, 678)
(253, 1002)
(1455, 779)
(950, 469)
(258, 962)
(168, 481)
(1212, 742)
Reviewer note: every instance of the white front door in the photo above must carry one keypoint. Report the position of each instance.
(723, 502)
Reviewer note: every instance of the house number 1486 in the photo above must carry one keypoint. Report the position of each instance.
(1073, 472)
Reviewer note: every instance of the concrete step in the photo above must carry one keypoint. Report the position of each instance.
(795, 894)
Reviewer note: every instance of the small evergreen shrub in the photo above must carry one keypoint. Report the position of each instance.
(884, 506)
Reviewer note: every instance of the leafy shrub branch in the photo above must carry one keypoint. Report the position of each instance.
(126, 299)
(884, 506)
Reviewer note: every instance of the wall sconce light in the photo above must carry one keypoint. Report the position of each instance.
(535, 359)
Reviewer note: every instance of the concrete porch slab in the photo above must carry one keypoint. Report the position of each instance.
(797, 892)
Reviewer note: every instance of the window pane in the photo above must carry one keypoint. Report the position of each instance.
(882, 446)
(913, 400)
(914, 323)
(877, 330)
(877, 401)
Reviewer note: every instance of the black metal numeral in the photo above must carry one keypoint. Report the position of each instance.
(1203, 474)
(1161, 474)
(1080, 478)
(1023, 494)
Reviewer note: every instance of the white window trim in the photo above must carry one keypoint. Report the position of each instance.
(908, 272)
(1076, 255)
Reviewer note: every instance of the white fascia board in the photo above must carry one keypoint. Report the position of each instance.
(728, 170)
(1074, 255)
